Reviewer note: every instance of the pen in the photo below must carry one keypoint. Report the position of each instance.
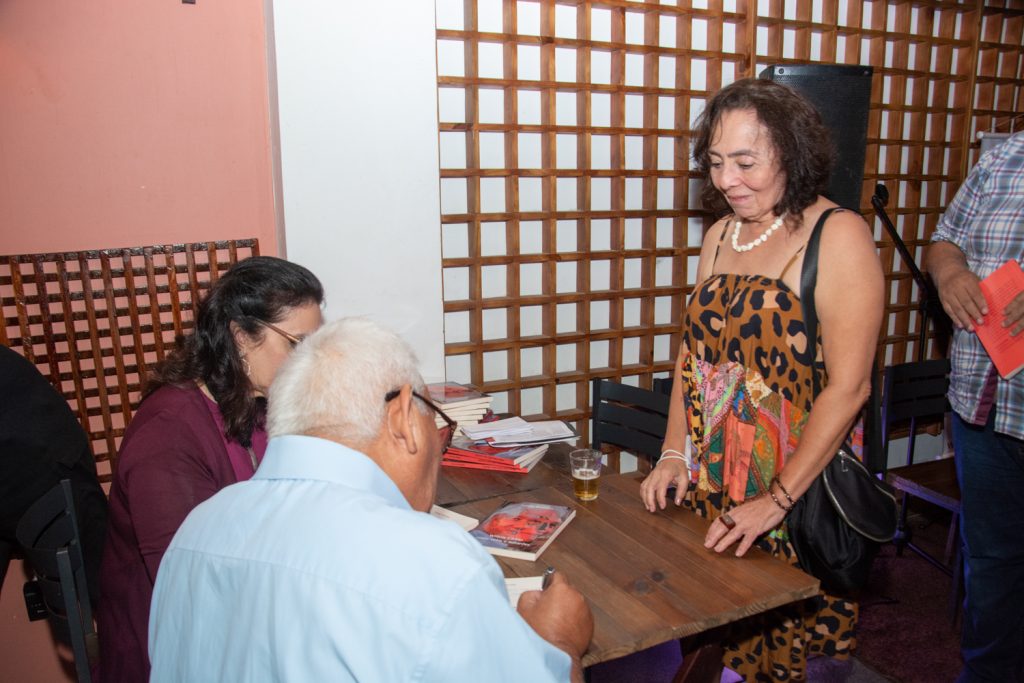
(546, 580)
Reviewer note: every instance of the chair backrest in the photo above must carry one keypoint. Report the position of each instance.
(48, 535)
(628, 417)
(95, 322)
(662, 385)
(911, 391)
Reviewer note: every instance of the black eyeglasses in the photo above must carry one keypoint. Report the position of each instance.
(292, 339)
(447, 432)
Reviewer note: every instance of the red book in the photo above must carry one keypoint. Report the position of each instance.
(457, 457)
(1000, 288)
(453, 395)
(482, 451)
(522, 530)
(483, 466)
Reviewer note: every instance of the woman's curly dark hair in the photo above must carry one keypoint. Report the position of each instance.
(801, 141)
(258, 288)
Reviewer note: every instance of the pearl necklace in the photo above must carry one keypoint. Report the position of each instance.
(776, 224)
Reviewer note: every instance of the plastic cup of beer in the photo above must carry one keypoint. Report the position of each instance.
(585, 465)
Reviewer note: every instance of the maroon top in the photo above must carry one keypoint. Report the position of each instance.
(173, 457)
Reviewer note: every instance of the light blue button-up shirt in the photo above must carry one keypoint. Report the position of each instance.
(317, 569)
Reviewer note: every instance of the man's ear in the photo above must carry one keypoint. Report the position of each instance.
(401, 420)
(402, 450)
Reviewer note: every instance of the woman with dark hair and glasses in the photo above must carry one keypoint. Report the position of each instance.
(200, 427)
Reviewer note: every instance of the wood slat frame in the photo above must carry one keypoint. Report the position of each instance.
(95, 322)
(943, 70)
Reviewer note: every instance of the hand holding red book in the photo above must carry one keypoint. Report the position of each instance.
(998, 334)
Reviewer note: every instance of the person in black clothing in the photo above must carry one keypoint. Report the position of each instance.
(42, 443)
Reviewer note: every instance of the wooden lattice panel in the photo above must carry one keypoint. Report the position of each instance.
(94, 322)
(921, 55)
(999, 93)
(571, 225)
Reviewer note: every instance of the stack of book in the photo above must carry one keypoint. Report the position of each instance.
(465, 452)
(461, 402)
(515, 431)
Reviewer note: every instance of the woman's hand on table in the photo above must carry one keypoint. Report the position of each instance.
(749, 521)
(668, 473)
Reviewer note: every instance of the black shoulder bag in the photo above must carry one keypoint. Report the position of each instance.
(839, 523)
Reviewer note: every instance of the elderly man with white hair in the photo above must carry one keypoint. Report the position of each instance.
(325, 566)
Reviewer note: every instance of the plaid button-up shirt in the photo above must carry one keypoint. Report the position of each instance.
(986, 222)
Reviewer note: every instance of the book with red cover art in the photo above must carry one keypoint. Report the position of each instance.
(1000, 288)
(522, 530)
(466, 453)
(465, 464)
(452, 394)
(467, 447)
(470, 462)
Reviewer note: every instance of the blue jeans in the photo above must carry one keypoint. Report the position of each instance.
(990, 468)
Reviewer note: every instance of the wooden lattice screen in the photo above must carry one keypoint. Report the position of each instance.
(94, 321)
(570, 219)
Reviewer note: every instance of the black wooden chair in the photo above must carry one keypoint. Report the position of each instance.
(913, 392)
(628, 418)
(48, 535)
(662, 385)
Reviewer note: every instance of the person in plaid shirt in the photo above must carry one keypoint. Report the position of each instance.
(982, 229)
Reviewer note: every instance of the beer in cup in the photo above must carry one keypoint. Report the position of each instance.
(585, 465)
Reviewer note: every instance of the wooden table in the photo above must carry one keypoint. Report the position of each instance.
(648, 577)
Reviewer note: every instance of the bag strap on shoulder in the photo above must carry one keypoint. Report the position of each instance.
(808, 282)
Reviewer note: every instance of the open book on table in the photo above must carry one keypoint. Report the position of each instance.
(517, 585)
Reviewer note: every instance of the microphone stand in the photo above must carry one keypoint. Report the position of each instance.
(927, 304)
(929, 299)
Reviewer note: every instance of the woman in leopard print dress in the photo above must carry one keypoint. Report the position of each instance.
(743, 378)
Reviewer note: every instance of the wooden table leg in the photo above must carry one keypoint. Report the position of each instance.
(702, 661)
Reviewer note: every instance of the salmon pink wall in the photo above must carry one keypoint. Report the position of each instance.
(123, 123)
(127, 123)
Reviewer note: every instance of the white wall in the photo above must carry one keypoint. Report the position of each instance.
(357, 106)
(926, 447)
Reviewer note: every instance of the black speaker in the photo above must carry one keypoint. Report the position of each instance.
(842, 95)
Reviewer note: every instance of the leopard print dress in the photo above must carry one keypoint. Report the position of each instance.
(747, 385)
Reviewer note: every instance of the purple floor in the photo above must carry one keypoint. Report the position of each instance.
(656, 664)
(659, 665)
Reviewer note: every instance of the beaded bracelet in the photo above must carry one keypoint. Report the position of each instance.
(782, 507)
(782, 488)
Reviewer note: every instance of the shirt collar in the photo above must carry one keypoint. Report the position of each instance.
(308, 457)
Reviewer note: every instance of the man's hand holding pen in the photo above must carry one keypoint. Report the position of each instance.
(560, 615)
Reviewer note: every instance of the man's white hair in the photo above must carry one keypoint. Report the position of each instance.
(335, 381)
